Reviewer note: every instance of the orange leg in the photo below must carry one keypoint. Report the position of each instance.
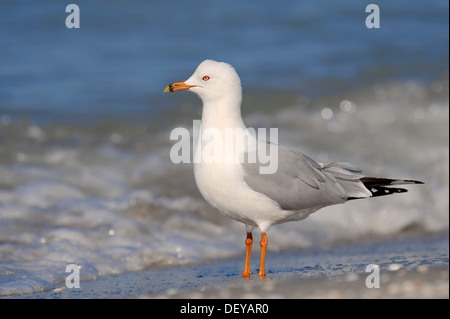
(248, 249)
(264, 241)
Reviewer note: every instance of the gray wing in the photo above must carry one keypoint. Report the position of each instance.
(301, 183)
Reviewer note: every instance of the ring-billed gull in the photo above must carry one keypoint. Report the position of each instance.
(298, 187)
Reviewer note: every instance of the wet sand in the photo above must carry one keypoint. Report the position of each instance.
(410, 267)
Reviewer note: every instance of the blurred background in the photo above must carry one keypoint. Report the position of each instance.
(85, 173)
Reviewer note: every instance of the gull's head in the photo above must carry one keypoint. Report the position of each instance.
(212, 81)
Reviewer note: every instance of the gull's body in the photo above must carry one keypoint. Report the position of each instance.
(298, 187)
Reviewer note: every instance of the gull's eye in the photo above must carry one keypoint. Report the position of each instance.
(205, 78)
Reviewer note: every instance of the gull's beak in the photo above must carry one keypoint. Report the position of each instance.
(177, 86)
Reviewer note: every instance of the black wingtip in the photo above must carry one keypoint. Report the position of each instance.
(378, 191)
(383, 191)
(376, 181)
(384, 186)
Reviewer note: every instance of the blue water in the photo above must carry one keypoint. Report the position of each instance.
(127, 51)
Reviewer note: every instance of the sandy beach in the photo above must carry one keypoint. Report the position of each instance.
(410, 267)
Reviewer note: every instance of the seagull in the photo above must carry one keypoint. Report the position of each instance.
(239, 189)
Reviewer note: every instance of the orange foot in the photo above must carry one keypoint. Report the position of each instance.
(262, 273)
(248, 244)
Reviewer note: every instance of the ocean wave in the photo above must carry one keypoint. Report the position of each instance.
(108, 198)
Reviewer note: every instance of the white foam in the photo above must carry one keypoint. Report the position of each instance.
(114, 210)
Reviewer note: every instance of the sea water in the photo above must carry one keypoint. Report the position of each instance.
(85, 170)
